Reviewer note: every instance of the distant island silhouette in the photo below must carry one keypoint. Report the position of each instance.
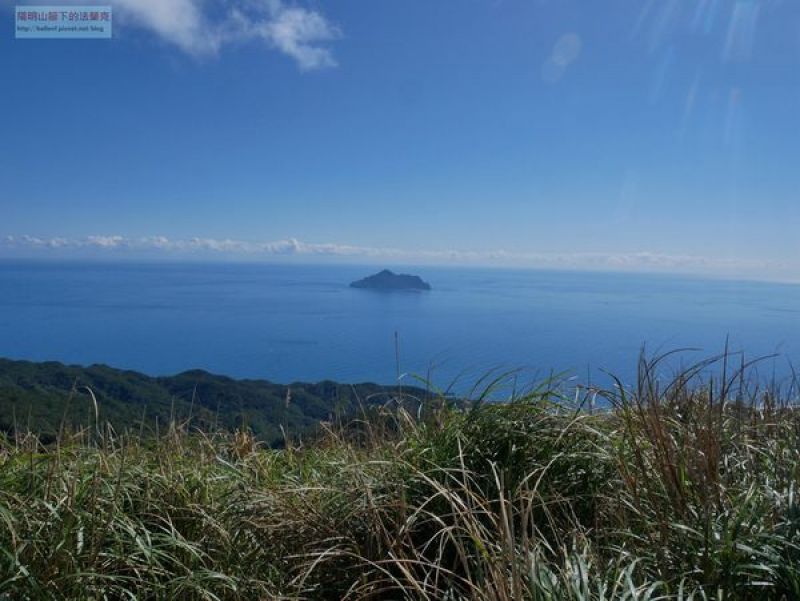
(388, 280)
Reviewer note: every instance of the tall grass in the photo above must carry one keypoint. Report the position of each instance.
(680, 488)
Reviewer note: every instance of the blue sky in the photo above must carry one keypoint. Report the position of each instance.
(623, 134)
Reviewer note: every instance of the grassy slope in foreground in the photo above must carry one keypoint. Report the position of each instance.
(680, 491)
(41, 396)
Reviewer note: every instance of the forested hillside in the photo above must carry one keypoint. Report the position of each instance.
(46, 397)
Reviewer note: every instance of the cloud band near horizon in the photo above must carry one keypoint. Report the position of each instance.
(161, 246)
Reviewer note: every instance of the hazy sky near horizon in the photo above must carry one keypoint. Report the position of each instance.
(644, 134)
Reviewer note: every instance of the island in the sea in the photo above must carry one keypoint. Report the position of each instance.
(388, 280)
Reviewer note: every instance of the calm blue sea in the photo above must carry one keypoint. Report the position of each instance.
(288, 323)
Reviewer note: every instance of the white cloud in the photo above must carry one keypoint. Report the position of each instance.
(291, 247)
(105, 241)
(180, 22)
(204, 27)
(298, 33)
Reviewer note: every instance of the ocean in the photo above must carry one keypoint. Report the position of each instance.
(289, 323)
